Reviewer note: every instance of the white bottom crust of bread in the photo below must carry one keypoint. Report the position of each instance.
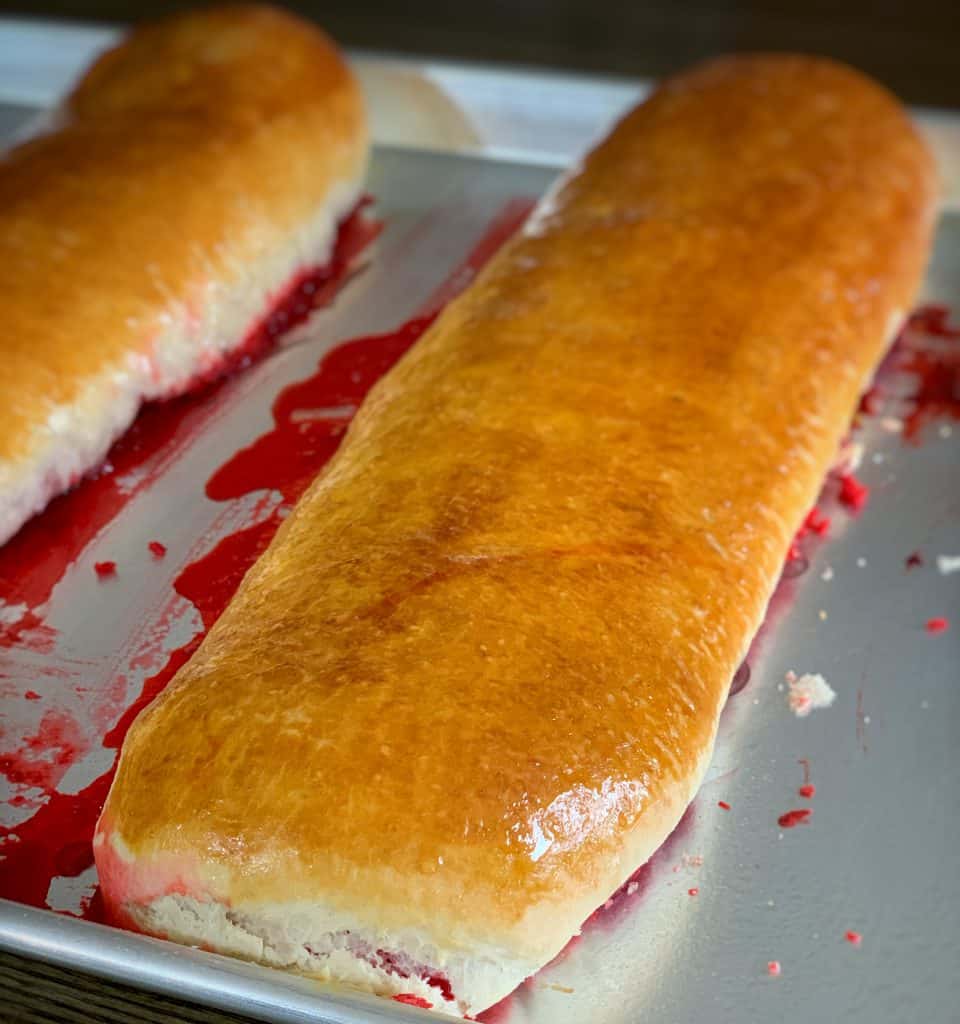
(190, 340)
(353, 946)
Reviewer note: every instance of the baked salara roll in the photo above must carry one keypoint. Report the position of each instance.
(475, 680)
(196, 170)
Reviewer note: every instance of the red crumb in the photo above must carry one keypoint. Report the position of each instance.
(157, 549)
(807, 791)
(723, 804)
(105, 569)
(854, 938)
(800, 816)
(773, 968)
(693, 892)
(938, 625)
(914, 560)
(794, 552)
(32, 695)
(816, 522)
(411, 1000)
(853, 494)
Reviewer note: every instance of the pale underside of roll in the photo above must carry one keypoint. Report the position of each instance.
(475, 680)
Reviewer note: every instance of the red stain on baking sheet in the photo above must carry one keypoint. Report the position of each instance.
(914, 560)
(43, 758)
(927, 351)
(311, 417)
(56, 840)
(157, 549)
(790, 819)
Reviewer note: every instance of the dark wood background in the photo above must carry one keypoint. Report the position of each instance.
(912, 46)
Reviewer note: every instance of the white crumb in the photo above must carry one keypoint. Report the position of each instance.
(823, 615)
(878, 457)
(945, 430)
(947, 564)
(808, 692)
(861, 562)
(892, 425)
(827, 574)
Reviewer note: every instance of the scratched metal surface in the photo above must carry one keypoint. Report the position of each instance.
(879, 855)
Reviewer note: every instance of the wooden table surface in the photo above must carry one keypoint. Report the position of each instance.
(913, 47)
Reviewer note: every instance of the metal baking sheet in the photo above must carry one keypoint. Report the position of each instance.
(878, 856)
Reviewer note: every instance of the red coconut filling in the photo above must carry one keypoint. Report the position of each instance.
(400, 965)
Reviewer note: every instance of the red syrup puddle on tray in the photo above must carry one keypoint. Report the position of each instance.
(57, 839)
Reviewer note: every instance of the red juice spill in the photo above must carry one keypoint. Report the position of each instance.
(914, 560)
(808, 791)
(926, 353)
(311, 417)
(56, 840)
(800, 816)
(43, 758)
(723, 805)
(938, 625)
(157, 549)
(105, 570)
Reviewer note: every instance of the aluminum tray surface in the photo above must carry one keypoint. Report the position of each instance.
(732, 890)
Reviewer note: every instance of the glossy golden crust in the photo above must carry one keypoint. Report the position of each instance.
(192, 149)
(479, 671)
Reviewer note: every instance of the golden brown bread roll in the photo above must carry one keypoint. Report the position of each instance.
(195, 170)
(475, 680)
